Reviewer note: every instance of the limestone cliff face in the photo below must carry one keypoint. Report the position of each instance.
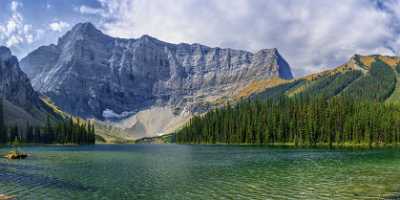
(90, 74)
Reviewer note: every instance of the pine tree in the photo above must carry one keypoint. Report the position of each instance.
(300, 120)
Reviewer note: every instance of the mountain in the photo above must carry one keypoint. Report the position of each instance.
(21, 103)
(145, 85)
(355, 104)
(373, 77)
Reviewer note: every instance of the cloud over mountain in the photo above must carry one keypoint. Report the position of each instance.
(311, 34)
(58, 26)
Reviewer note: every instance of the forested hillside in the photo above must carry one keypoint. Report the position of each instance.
(298, 120)
(347, 105)
(27, 117)
(65, 131)
(363, 77)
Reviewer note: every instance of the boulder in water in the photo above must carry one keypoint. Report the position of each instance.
(5, 197)
(15, 155)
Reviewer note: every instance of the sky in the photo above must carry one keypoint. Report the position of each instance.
(312, 35)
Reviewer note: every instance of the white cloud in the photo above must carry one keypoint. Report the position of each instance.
(14, 40)
(15, 5)
(89, 10)
(14, 31)
(58, 26)
(311, 35)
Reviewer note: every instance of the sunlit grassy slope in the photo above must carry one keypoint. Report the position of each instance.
(372, 77)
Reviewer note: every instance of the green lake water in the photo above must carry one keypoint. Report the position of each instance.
(200, 172)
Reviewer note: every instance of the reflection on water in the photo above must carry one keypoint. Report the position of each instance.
(200, 172)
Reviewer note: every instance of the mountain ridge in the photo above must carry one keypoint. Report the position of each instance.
(21, 103)
(361, 75)
(90, 74)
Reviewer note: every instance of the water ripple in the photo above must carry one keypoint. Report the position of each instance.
(201, 172)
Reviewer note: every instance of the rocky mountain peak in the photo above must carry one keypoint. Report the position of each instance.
(21, 103)
(5, 53)
(268, 51)
(85, 29)
(281, 66)
(83, 32)
(9, 61)
(147, 37)
(90, 74)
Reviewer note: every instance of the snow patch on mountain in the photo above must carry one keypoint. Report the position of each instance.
(109, 114)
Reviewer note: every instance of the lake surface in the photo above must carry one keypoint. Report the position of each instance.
(200, 172)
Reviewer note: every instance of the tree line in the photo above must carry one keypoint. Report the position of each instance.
(299, 120)
(66, 131)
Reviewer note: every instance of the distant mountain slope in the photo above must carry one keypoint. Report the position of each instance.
(372, 77)
(93, 75)
(21, 103)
